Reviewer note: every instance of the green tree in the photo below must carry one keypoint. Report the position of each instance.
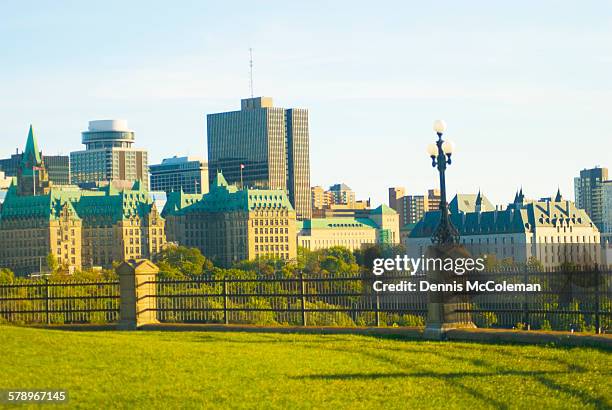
(6, 275)
(180, 261)
(52, 263)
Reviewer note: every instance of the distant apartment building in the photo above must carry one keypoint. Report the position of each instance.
(342, 194)
(411, 208)
(338, 201)
(58, 166)
(265, 147)
(367, 227)
(589, 191)
(320, 197)
(189, 174)
(229, 224)
(433, 199)
(109, 155)
(553, 231)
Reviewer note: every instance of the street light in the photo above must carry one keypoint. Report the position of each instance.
(440, 154)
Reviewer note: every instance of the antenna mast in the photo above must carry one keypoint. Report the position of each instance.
(251, 69)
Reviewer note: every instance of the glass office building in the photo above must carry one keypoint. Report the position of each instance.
(187, 174)
(263, 146)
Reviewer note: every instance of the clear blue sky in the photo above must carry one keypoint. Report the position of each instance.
(525, 87)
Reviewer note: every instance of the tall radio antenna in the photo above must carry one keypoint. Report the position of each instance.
(251, 69)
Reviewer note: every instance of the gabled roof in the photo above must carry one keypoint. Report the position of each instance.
(338, 223)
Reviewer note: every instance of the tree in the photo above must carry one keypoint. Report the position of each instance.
(6, 275)
(180, 261)
(52, 263)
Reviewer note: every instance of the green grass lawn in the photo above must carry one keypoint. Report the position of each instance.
(203, 369)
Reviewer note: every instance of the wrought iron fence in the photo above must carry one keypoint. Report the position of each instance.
(50, 302)
(346, 300)
(568, 300)
(580, 301)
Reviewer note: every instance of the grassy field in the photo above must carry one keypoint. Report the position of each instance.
(201, 369)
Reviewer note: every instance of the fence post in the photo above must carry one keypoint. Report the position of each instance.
(303, 298)
(376, 306)
(225, 318)
(525, 304)
(597, 314)
(47, 300)
(137, 293)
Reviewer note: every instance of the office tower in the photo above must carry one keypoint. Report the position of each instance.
(588, 190)
(189, 174)
(109, 155)
(265, 147)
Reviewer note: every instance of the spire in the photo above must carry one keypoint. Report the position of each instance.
(479, 198)
(558, 197)
(31, 155)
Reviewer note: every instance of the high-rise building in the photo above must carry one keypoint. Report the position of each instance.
(410, 208)
(265, 147)
(230, 224)
(588, 191)
(188, 174)
(109, 155)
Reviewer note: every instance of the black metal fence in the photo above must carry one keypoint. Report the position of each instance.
(568, 300)
(313, 300)
(44, 301)
(580, 301)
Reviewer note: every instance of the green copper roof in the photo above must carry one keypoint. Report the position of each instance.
(31, 155)
(105, 204)
(223, 198)
(383, 209)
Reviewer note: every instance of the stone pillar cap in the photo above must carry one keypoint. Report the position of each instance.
(137, 266)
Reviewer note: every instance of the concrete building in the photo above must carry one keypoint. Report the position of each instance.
(433, 200)
(109, 155)
(320, 197)
(367, 227)
(588, 191)
(189, 174)
(264, 147)
(230, 224)
(79, 227)
(553, 231)
(342, 194)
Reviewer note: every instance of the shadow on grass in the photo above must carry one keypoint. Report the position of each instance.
(435, 375)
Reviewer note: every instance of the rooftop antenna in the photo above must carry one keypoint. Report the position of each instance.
(251, 69)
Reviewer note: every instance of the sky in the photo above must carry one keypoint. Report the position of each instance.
(525, 87)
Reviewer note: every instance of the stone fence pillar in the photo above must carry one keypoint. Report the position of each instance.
(137, 293)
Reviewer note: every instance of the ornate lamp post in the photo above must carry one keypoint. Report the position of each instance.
(440, 154)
